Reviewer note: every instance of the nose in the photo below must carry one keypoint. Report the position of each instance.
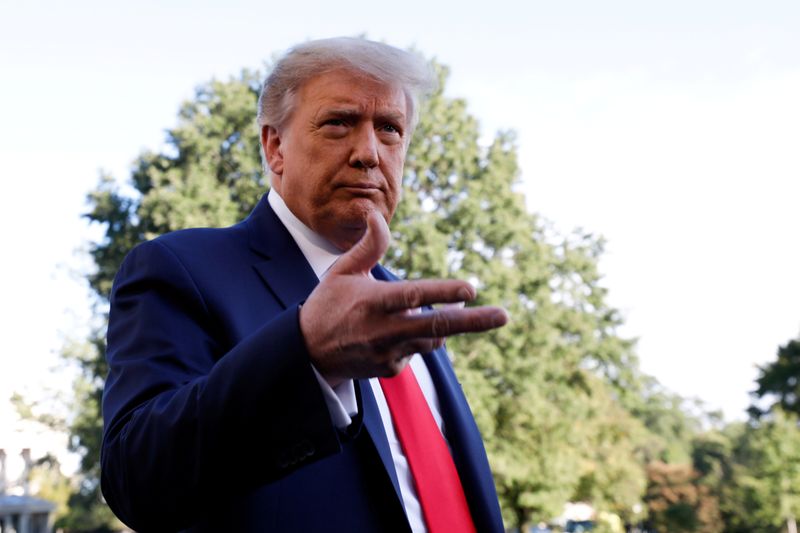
(365, 147)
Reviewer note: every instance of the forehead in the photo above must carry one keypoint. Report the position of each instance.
(351, 90)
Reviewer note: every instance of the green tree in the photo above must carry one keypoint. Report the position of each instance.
(531, 384)
(780, 379)
(763, 493)
(670, 424)
(534, 386)
(719, 457)
(49, 483)
(612, 474)
(678, 503)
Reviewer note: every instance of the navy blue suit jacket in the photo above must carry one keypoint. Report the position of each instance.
(214, 420)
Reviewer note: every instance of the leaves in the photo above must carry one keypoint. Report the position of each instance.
(780, 379)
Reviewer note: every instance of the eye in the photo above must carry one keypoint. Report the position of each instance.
(390, 128)
(334, 128)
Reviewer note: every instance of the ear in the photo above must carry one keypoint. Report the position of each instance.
(271, 144)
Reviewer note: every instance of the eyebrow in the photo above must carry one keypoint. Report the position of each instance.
(350, 114)
(392, 117)
(355, 114)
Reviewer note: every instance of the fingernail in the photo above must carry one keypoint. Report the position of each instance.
(500, 317)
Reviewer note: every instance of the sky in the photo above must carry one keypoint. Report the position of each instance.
(668, 128)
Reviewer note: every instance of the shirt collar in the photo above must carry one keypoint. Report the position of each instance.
(320, 253)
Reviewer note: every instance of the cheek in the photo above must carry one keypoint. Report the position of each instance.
(393, 169)
(395, 189)
(396, 184)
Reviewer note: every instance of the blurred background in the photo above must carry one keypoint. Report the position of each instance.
(653, 147)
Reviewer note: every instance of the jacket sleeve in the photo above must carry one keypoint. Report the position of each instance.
(188, 421)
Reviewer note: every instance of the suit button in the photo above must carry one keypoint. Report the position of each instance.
(304, 449)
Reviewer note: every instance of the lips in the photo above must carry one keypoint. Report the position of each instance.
(360, 189)
(365, 186)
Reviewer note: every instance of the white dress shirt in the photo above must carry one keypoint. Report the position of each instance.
(341, 400)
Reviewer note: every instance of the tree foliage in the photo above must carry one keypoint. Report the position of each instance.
(765, 489)
(678, 503)
(669, 422)
(780, 380)
(533, 385)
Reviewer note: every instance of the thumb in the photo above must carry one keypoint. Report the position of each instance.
(366, 253)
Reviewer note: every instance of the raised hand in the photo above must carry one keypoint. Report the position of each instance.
(358, 327)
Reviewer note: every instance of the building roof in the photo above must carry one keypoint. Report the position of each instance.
(13, 504)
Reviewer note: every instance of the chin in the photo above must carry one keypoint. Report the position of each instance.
(355, 214)
(344, 225)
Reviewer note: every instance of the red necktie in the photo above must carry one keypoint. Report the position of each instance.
(438, 486)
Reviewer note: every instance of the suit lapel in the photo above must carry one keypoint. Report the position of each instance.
(374, 426)
(284, 268)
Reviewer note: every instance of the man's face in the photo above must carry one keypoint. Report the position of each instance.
(340, 155)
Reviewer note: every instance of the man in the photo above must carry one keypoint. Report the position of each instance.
(251, 368)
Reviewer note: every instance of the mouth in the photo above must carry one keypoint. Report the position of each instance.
(360, 189)
(359, 185)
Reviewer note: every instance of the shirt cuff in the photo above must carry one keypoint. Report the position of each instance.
(341, 400)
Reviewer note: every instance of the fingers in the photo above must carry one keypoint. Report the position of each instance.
(413, 294)
(425, 332)
(400, 355)
(420, 345)
(366, 253)
(441, 323)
